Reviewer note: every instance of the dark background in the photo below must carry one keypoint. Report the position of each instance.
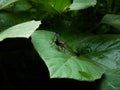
(22, 68)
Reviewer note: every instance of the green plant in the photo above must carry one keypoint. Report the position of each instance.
(90, 30)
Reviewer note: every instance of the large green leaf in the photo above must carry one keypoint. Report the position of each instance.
(102, 49)
(111, 80)
(23, 30)
(63, 63)
(4, 3)
(113, 20)
(82, 4)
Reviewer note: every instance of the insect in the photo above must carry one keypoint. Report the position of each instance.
(63, 46)
(58, 42)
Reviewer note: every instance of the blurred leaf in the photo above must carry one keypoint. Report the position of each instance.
(113, 20)
(111, 80)
(58, 5)
(4, 3)
(22, 5)
(63, 63)
(6, 20)
(9, 19)
(82, 4)
(21, 30)
(43, 6)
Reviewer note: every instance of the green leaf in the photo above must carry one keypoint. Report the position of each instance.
(82, 4)
(4, 3)
(22, 5)
(43, 6)
(21, 30)
(111, 80)
(58, 5)
(9, 19)
(103, 49)
(62, 63)
(6, 20)
(113, 20)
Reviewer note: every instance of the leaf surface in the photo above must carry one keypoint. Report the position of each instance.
(102, 49)
(82, 4)
(111, 80)
(62, 63)
(4, 3)
(113, 20)
(23, 30)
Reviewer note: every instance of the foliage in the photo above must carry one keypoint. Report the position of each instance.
(77, 39)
